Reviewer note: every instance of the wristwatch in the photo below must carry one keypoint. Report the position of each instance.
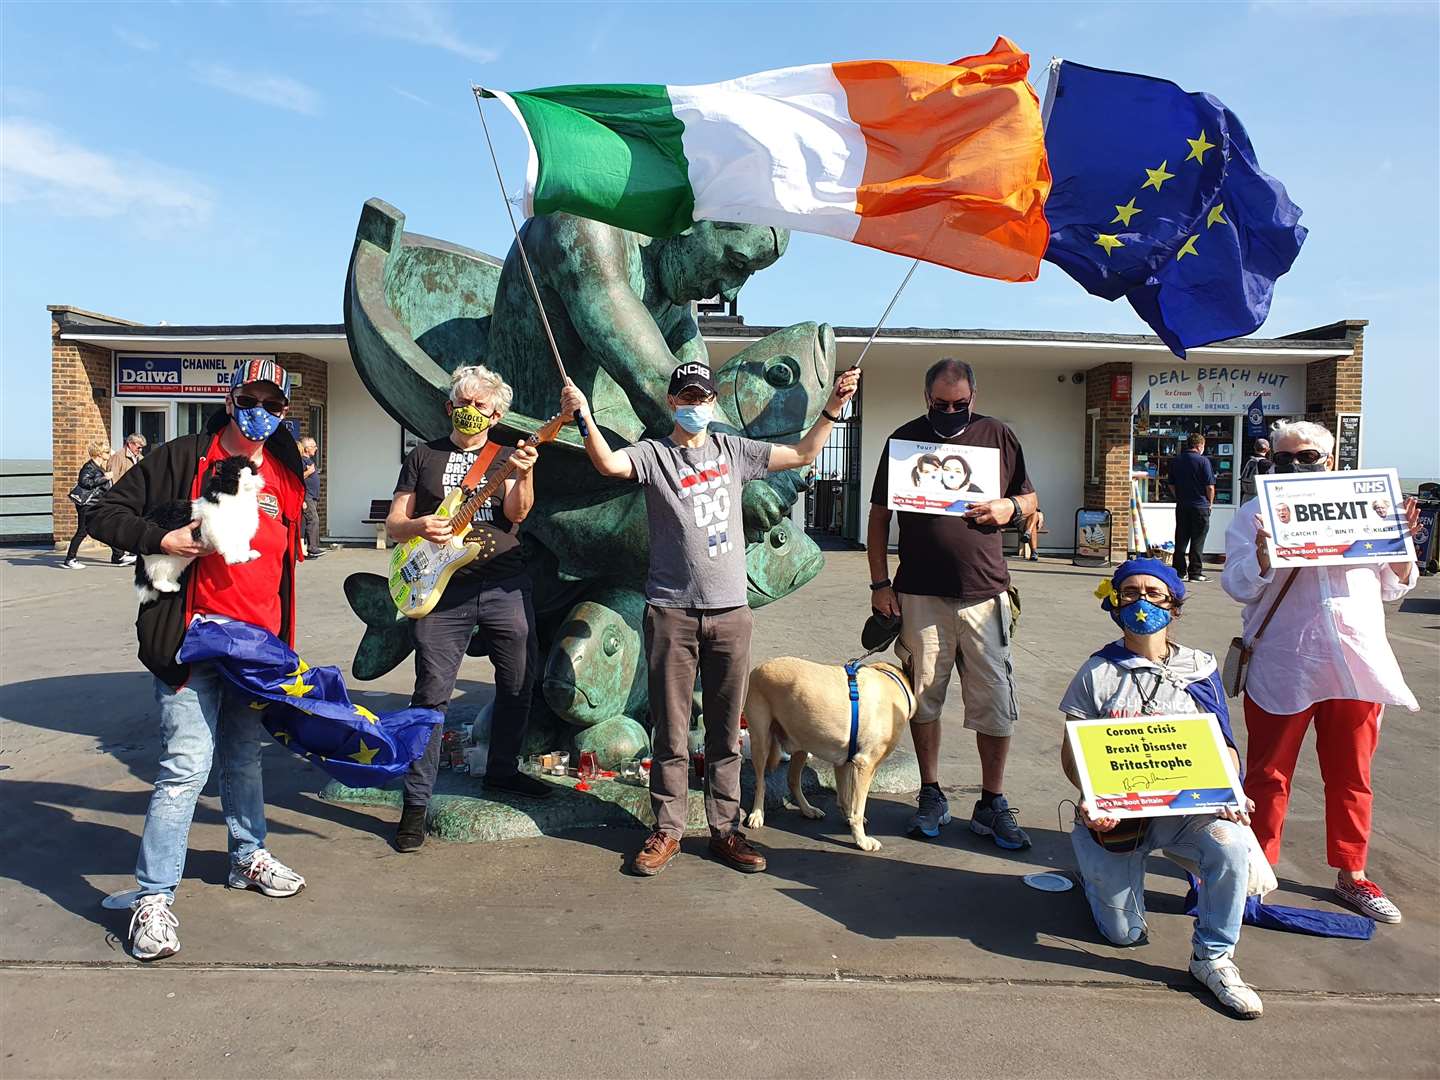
(876, 586)
(1016, 504)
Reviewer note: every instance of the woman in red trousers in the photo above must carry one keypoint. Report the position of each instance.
(1322, 659)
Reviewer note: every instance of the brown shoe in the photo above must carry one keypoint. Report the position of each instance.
(737, 853)
(655, 854)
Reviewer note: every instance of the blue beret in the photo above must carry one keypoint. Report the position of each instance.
(1154, 567)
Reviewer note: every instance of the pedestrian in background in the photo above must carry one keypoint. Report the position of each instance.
(310, 461)
(1257, 464)
(90, 485)
(121, 462)
(1322, 658)
(1192, 478)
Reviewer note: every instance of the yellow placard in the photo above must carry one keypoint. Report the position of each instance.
(1153, 766)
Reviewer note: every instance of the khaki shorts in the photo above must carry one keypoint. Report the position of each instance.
(936, 632)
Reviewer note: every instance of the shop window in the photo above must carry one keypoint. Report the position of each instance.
(408, 441)
(192, 416)
(1094, 445)
(1159, 439)
(315, 424)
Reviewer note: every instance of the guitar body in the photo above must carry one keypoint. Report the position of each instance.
(420, 569)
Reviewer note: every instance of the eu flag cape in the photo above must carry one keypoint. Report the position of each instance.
(307, 709)
(1158, 197)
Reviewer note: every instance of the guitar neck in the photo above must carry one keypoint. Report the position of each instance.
(471, 506)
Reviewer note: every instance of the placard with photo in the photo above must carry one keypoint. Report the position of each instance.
(941, 478)
(1334, 518)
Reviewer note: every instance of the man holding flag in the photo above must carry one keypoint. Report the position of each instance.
(203, 716)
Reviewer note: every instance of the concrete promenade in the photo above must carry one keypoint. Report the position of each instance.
(541, 958)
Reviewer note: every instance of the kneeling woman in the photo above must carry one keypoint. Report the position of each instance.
(1146, 674)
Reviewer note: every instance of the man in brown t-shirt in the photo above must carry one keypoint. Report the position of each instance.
(950, 592)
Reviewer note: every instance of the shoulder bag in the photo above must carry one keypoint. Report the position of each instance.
(1237, 657)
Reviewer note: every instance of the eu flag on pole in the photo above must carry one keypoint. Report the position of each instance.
(1158, 198)
(307, 709)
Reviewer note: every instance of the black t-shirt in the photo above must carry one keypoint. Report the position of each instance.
(434, 469)
(945, 555)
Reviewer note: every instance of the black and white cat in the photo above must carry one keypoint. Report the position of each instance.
(228, 511)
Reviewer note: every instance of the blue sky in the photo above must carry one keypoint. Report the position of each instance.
(205, 163)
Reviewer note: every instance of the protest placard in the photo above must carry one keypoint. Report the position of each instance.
(1152, 766)
(1333, 518)
(941, 478)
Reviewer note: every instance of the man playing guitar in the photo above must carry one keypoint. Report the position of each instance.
(492, 594)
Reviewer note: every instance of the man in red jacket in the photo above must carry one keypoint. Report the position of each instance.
(203, 718)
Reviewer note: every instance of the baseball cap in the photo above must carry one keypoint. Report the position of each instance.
(260, 370)
(691, 374)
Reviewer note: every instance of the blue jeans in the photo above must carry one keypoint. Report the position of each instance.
(1115, 881)
(206, 716)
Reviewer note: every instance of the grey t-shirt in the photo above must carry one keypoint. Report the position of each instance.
(692, 497)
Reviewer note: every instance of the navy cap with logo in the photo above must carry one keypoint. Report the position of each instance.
(691, 374)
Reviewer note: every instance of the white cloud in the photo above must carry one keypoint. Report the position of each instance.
(134, 40)
(42, 166)
(410, 96)
(420, 23)
(279, 91)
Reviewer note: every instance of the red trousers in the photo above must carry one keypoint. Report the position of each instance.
(1346, 734)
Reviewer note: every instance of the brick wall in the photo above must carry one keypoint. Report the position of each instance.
(80, 381)
(1111, 491)
(1333, 386)
(314, 389)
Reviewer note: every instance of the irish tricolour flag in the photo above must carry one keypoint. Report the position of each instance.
(944, 162)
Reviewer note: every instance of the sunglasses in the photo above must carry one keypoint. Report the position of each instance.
(1304, 457)
(949, 406)
(270, 405)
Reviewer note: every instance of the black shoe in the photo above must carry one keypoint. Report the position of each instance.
(517, 783)
(410, 833)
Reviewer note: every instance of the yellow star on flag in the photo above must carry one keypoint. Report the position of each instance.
(1123, 214)
(1215, 217)
(259, 705)
(1157, 176)
(361, 710)
(283, 736)
(1109, 242)
(1198, 148)
(365, 754)
(1187, 248)
(298, 688)
(1369, 546)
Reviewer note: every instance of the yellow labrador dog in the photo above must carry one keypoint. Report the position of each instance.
(804, 708)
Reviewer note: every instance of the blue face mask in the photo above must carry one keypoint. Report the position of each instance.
(694, 418)
(256, 424)
(1142, 617)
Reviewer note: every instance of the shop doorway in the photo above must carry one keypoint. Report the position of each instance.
(833, 503)
(152, 421)
(192, 416)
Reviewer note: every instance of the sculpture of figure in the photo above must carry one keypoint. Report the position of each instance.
(619, 305)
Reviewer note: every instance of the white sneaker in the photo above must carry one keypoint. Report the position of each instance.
(126, 560)
(266, 873)
(73, 564)
(153, 928)
(1223, 979)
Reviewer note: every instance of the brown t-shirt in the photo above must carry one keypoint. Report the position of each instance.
(943, 554)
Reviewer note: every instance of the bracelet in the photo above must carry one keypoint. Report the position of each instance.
(1016, 504)
(826, 414)
(876, 586)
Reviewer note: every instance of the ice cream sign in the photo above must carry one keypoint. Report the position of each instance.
(1218, 388)
(157, 375)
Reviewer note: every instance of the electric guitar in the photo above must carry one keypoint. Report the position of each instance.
(420, 569)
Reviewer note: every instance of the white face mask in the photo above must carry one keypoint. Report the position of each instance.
(695, 418)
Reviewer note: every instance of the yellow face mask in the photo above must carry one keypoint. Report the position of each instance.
(468, 420)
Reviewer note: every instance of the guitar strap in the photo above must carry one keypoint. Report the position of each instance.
(487, 454)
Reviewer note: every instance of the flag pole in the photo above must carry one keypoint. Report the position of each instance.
(885, 315)
(525, 262)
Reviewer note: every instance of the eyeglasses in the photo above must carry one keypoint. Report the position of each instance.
(270, 405)
(941, 405)
(1156, 595)
(1304, 457)
(694, 397)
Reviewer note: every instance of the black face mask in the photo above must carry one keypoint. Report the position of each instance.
(949, 424)
(1300, 466)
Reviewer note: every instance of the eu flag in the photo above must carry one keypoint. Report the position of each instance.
(307, 709)
(1158, 198)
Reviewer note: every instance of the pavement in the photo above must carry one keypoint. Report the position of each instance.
(539, 956)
